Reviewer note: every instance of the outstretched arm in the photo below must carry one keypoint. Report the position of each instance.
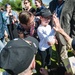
(58, 28)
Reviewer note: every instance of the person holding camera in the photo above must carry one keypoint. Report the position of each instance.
(11, 18)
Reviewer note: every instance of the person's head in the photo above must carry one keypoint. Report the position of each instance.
(38, 3)
(18, 56)
(26, 19)
(60, 1)
(45, 16)
(27, 4)
(8, 7)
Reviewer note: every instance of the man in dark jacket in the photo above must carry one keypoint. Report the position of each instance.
(67, 21)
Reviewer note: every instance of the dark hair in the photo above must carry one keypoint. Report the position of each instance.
(24, 17)
(7, 5)
(28, 1)
(40, 1)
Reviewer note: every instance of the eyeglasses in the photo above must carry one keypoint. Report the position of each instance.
(32, 22)
(25, 2)
(46, 18)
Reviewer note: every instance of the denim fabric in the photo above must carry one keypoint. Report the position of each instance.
(6, 17)
(3, 27)
(1, 45)
(5, 73)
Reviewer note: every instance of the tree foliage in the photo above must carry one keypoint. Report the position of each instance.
(15, 4)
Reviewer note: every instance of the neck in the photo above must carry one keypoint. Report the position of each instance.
(26, 73)
(29, 8)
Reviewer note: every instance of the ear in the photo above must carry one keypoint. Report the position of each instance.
(33, 63)
(40, 17)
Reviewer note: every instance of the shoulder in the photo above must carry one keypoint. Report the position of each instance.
(53, 2)
(40, 28)
(42, 7)
(14, 12)
(48, 26)
(69, 2)
(69, 5)
(4, 12)
(32, 10)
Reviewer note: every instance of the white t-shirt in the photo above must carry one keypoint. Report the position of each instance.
(45, 34)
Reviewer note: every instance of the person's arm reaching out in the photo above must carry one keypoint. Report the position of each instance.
(58, 28)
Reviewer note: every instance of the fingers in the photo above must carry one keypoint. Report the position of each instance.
(41, 70)
(55, 19)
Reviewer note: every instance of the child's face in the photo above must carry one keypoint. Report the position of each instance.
(45, 21)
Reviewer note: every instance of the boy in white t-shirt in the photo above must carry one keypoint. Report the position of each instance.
(46, 36)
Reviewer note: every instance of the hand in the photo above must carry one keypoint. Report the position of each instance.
(52, 41)
(5, 34)
(67, 73)
(43, 71)
(56, 22)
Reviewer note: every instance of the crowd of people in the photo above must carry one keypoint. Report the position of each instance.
(36, 30)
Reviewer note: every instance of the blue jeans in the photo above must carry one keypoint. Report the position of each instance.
(5, 73)
(1, 45)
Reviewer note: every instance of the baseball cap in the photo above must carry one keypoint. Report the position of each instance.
(45, 12)
(17, 55)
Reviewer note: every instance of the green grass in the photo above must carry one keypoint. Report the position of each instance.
(54, 60)
(1, 70)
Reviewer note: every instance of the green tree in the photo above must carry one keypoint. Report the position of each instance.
(15, 4)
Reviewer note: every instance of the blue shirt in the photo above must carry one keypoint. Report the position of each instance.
(59, 9)
(7, 17)
(3, 27)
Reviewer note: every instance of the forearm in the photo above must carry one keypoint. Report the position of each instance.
(66, 36)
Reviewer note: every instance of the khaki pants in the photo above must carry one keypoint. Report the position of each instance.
(63, 52)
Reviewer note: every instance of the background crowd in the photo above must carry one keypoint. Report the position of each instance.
(36, 23)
